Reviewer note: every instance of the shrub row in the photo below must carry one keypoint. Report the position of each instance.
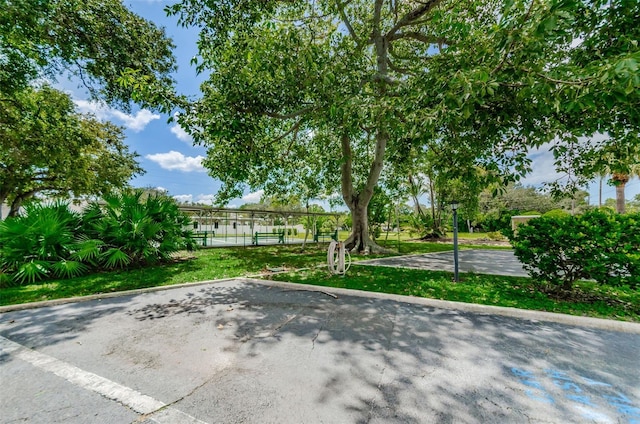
(599, 244)
(128, 229)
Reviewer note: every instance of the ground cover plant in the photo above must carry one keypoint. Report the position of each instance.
(588, 299)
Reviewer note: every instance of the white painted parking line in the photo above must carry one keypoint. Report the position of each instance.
(138, 402)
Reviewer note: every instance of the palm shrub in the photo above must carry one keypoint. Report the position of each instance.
(137, 229)
(40, 243)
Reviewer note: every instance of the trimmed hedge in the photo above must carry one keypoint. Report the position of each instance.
(599, 245)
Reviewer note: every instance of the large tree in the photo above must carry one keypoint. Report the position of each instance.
(343, 86)
(48, 148)
(95, 41)
(119, 57)
(600, 119)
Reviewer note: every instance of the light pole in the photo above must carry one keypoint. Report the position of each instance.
(454, 208)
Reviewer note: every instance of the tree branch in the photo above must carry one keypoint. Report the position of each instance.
(510, 47)
(377, 13)
(419, 37)
(398, 69)
(289, 115)
(292, 130)
(579, 82)
(413, 16)
(346, 169)
(347, 23)
(376, 167)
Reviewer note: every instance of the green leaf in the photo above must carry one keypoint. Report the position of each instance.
(32, 271)
(115, 258)
(69, 269)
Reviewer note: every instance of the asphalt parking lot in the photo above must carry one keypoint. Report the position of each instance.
(480, 261)
(244, 352)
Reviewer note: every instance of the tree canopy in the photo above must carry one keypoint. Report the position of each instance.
(46, 147)
(95, 41)
(335, 91)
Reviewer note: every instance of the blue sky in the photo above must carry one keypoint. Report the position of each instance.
(173, 163)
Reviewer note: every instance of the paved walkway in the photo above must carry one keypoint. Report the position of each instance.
(479, 261)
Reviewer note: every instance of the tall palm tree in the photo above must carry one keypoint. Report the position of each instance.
(620, 158)
(620, 180)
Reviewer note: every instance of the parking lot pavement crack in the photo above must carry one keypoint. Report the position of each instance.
(192, 391)
(393, 328)
(379, 385)
(313, 340)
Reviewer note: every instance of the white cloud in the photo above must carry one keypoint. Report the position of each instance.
(161, 189)
(205, 198)
(176, 161)
(136, 122)
(183, 198)
(181, 134)
(85, 106)
(543, 169)
(253, 197)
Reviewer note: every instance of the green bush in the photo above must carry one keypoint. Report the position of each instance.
(613, 256)
(560, 248)
(49, 240)
(137, 230)
(40, 243)
(556, 213)
(495, 235)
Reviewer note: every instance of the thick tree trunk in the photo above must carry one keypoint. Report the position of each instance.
(15, 207)
(357, 202)
(359, 240)
(19, 200)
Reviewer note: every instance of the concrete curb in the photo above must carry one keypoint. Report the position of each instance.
(597, 323)
(55, 302)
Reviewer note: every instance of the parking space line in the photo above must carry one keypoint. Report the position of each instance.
(155, 410)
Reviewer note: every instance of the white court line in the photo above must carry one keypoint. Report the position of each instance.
(126, 396)
(223, 241)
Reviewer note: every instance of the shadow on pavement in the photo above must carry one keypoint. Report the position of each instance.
(243, 352)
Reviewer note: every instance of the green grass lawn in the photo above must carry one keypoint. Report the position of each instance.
(203, 264)
(211, 264)
(589, 299)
